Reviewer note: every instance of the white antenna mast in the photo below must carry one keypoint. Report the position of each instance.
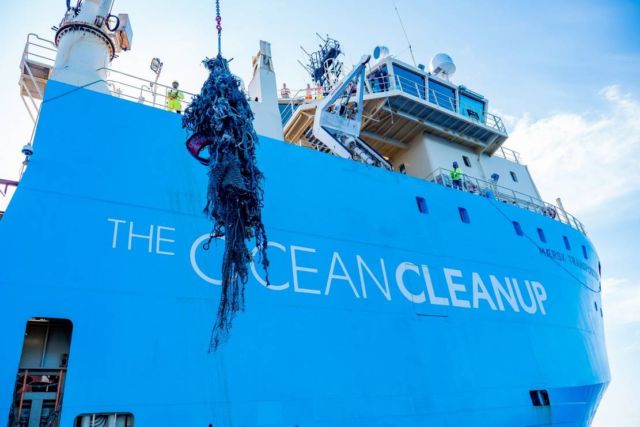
(405, 34)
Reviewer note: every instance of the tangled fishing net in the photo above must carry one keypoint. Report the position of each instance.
(221, 123)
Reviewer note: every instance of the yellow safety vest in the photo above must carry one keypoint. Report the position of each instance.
(174, 98)
(456, 174)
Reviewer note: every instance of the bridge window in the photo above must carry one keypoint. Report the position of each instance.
(541, 235)
(514, 177)
(464, 215)
(442, 95)
(584, 252)
(566, 243)
(409, 82)
(472, 107)
(466, 161)
(379, 79)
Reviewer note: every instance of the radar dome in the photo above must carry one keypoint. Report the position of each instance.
(442, 65)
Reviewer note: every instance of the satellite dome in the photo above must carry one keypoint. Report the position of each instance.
(442, 65)
(380, 52)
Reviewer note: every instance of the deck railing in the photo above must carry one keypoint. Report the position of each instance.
(141, 90)
(396, 82)
(375, 85)
(509, 154)
(124, 85)
(490, 189)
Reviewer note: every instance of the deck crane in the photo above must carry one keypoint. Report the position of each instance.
(338, 119)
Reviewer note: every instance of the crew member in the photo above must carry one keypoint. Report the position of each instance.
(456, 176)
(319, 92)
(285, 92)
(174, 98)
(308, 95)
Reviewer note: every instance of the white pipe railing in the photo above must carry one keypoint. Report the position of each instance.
(484, 188)
(376, 85)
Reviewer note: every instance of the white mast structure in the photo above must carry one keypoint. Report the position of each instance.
(88, 39)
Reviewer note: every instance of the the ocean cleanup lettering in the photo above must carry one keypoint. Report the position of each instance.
(414, 282)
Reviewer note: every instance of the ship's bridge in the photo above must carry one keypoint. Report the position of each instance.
(402, 102)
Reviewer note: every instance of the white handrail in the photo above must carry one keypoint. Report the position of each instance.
(481, 187)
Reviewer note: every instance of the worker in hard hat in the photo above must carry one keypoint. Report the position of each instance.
(456, 176)
(174, 98)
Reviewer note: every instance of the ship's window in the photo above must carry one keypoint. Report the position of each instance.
(599, 269)
(117, 419)
(422, 205)
(545, 397)
(539, 397)
(518, 228)
(409, 82)
(514, 177)
(471, 107)
(584, 252)
(595, 305)
(535, 398)
(464, 215)
(566, 243)
(466, 161)
(379, 79)
(442, 95)
(541, 235)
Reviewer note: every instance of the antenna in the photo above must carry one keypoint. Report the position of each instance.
(324, 65)
(405, 33)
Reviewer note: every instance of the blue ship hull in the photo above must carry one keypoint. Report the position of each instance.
(378, 314)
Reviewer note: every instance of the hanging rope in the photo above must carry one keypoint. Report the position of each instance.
(221, 123)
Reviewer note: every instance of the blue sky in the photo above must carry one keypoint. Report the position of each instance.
(563, 74)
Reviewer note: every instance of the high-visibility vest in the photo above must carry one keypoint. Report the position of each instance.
(174, 98)
(456, 174)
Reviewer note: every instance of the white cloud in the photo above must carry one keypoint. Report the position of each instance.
(621, 302)
(587, 160)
